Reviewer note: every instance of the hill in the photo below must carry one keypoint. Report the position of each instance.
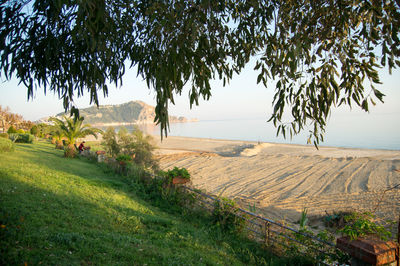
(133, 112)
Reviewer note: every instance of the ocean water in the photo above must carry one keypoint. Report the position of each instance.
(375, 133)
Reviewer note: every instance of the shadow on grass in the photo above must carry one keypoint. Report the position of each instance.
(43, 227)
(49, 228)
(44, 156)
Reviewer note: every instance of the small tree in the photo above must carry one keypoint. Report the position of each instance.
(43, 130)
(137, 145)
(11, 130)
(144, 146)
(34, 130)
(126, 141)
(110, 143)
(72, 129)
(57, 135)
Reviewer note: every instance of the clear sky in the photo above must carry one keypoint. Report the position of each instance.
(241, 99)
(254, 100)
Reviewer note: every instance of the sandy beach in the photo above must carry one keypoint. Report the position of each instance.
(280, 180)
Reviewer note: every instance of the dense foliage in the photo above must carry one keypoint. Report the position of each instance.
(34, 130)
(126, 112)
(16, 121)
(21, 137)
(43, 130)
(321, 53)
(72, 129)
(11, 130)
(110, 143)
(6, 145)
(123, 158)
(176, 172)
(57, 135)
(136, 145)
(362, 224)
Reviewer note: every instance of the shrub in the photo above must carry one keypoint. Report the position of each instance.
(137, 172)
(11, 130)
(179, 172)
(143, 147)
(224, 216)
(137, 145)
(6, 145)
(26, 138)
(362, 224)
(34, 130)
(21, 138)
(126, 141)
(20, 131)
(175, 172)
(110, 143)
(124, 158)
(4, 135)
(43, 130)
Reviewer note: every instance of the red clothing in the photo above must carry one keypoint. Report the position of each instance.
(81, 147)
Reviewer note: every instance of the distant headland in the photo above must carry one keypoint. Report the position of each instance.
(130, 113)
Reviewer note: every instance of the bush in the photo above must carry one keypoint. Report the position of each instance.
(110, 142)
(34, 130)
(362, 224)
(6, 145)
(137, 145)
(4, 135)
(20, 131)
(224, 216)
(21, 138)
(124, 158)
(43, 130)
(26, 138)
(11, 130)
(178, 172)
(143, 147)
(175, 172)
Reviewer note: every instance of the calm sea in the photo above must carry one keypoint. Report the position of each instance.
(375, 133)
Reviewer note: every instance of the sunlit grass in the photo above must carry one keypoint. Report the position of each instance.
(68, 211)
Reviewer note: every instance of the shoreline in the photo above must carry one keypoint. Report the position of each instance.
(212, 145)
(280, 180)
(157, 137)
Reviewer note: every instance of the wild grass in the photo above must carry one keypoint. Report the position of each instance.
(62, 211)
(6, 145)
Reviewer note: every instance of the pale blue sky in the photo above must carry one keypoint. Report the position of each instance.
(241, 99)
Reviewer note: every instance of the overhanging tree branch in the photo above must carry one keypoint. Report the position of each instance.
(322, 53)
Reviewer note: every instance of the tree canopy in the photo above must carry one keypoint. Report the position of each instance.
(321, 54)
(73, 129)
(8, 119)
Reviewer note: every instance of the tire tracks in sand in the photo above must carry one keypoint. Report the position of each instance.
(283, 184)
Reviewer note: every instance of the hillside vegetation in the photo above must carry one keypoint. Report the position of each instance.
(71, 211)
(130, 112)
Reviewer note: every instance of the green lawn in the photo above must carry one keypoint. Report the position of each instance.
(69, 211)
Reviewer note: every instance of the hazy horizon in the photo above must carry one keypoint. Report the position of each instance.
(241, 99)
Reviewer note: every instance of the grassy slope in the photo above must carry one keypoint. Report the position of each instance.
(68, 211)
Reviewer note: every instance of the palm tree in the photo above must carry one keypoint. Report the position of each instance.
(72, 129)
(57, 136)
